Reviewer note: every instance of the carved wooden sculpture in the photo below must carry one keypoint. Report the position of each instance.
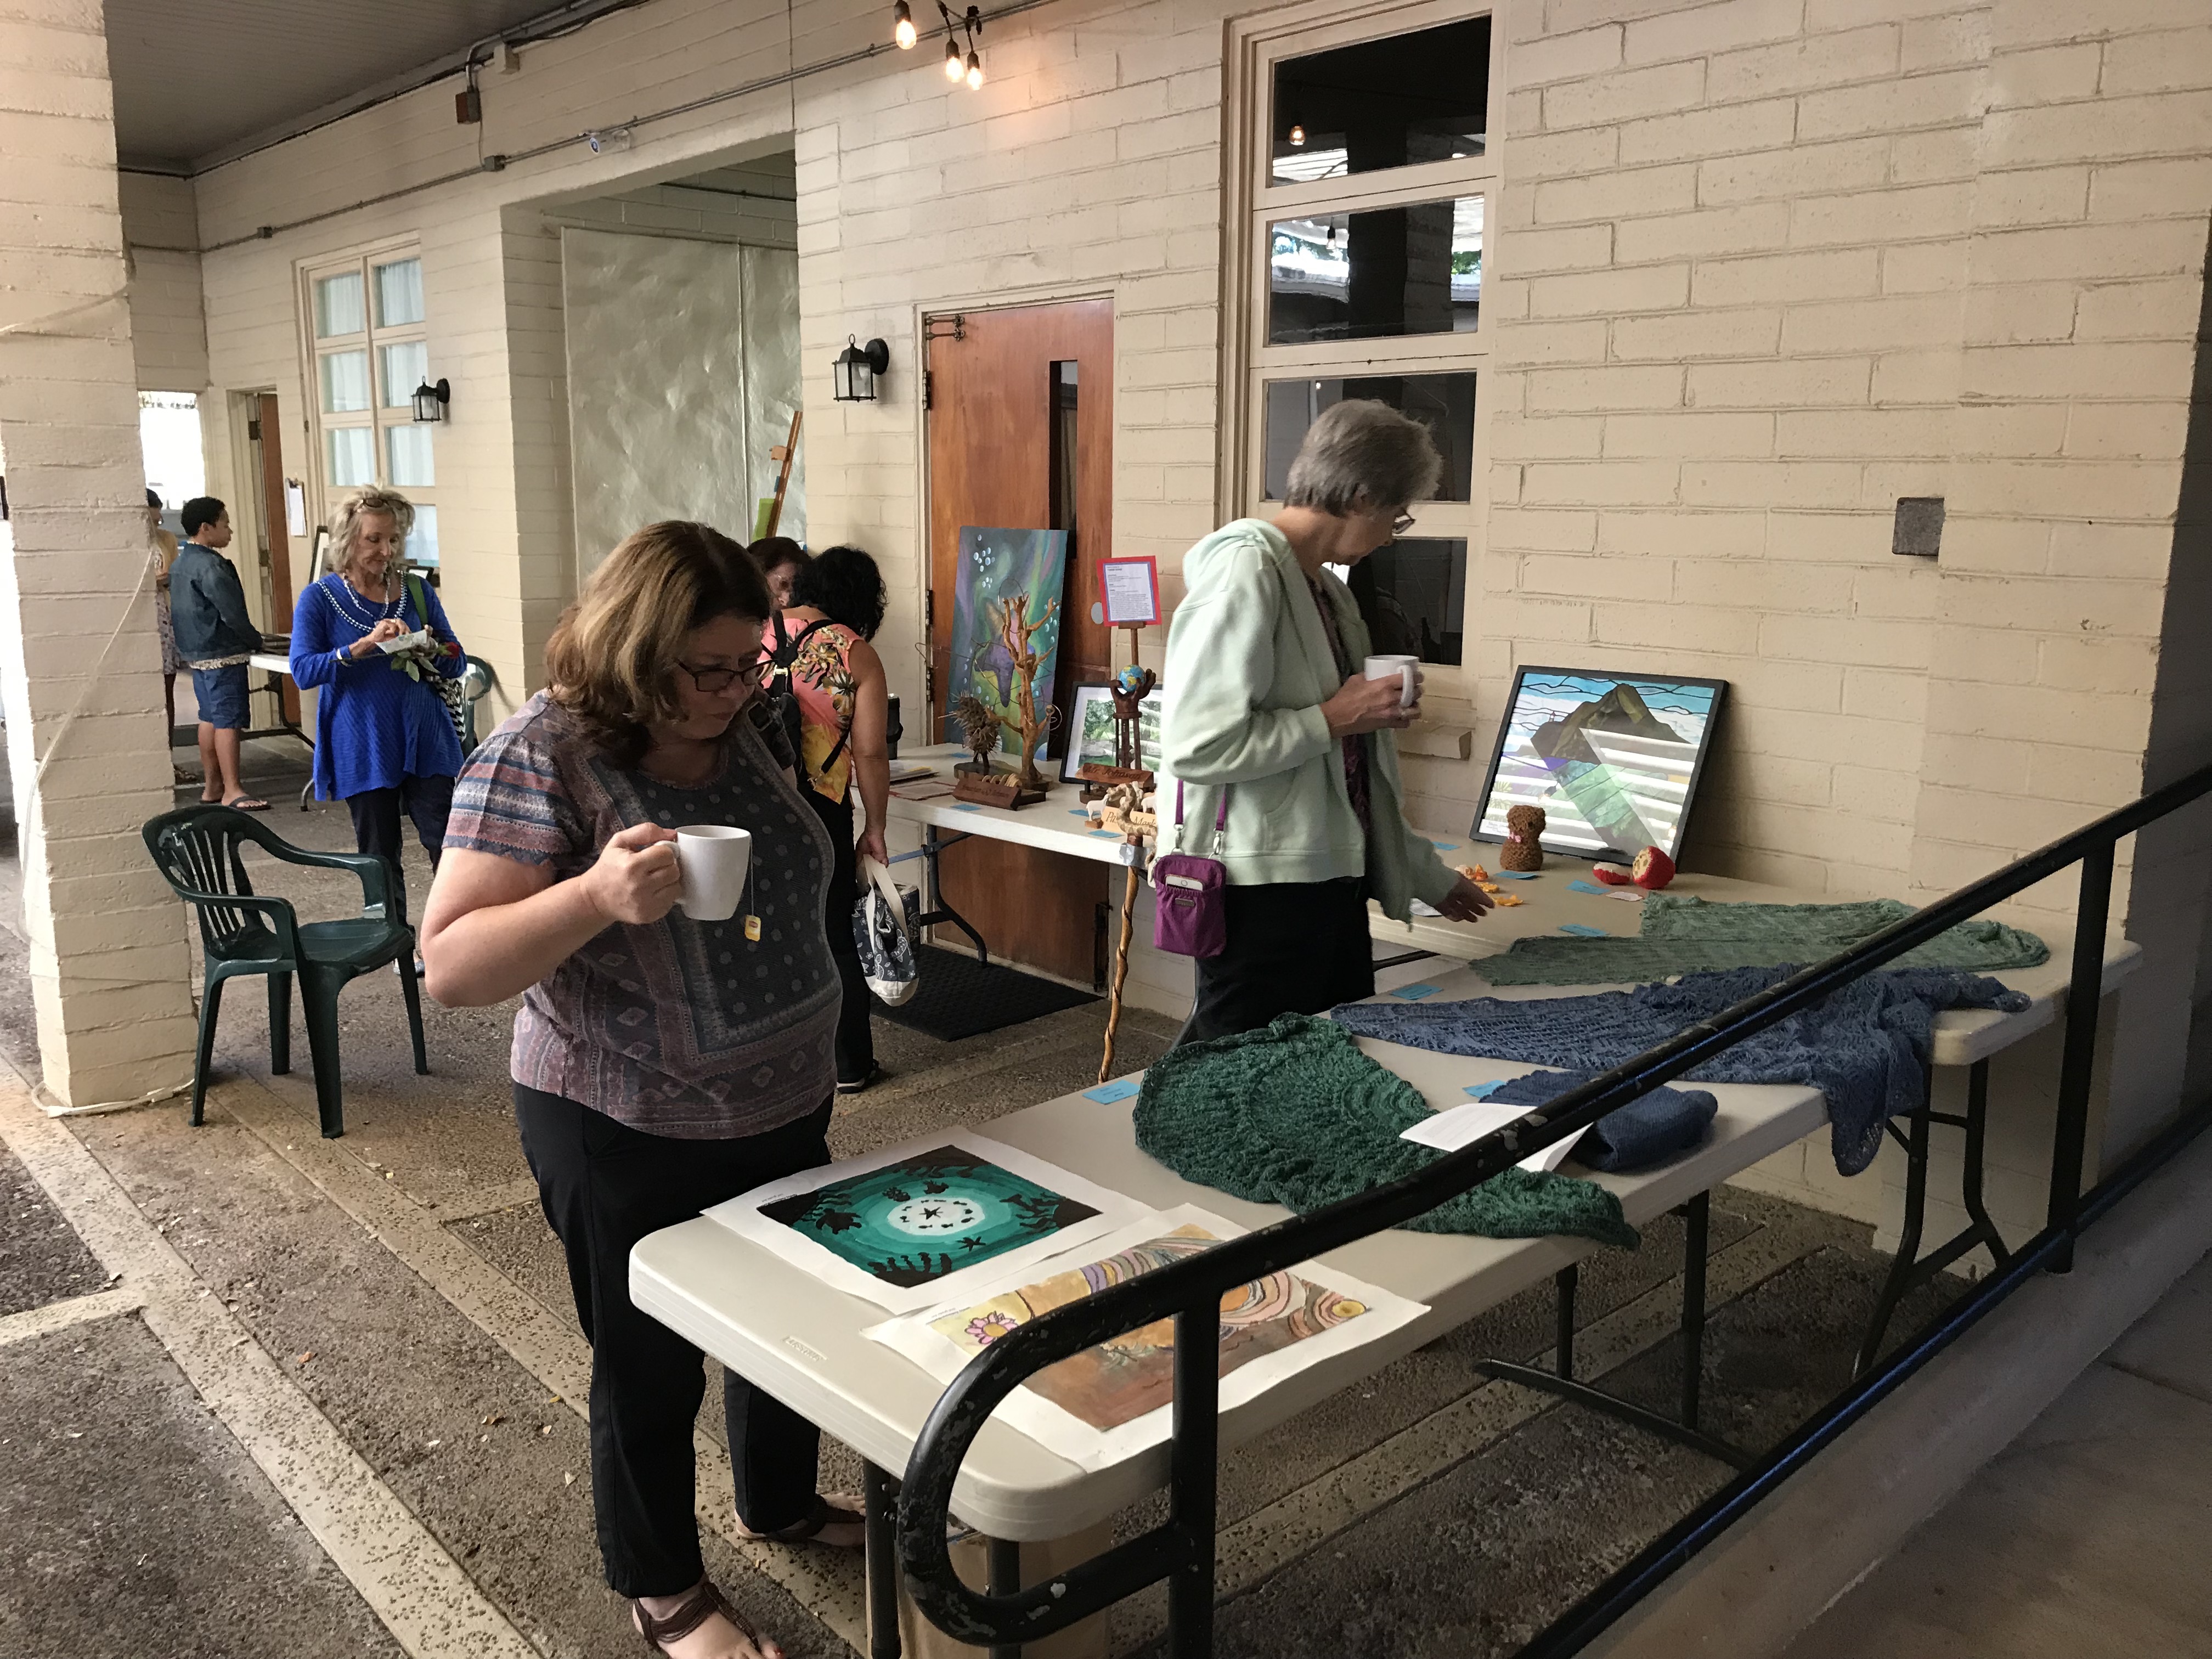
(1016, 632)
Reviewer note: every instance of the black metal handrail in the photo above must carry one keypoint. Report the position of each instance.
(1181, 1550)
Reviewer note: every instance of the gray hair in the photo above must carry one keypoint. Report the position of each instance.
(362, 503)
(1362, 456)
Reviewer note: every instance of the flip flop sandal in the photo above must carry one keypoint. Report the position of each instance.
(697, 1607)
(246, 803)
(808, 1528)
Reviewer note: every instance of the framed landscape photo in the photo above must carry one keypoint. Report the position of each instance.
(1091, 731)
(1614, 759)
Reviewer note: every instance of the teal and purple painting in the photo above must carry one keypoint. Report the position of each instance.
(913, 1222)
(1029, 566)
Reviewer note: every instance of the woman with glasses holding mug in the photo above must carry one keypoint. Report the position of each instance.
(661, 1063)
(1272, 728)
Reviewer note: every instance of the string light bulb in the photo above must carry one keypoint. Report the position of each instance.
(953, 67)
(975, 71)
(1298, 134)
(902, 29)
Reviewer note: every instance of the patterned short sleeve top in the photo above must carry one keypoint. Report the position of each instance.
(681, 1028)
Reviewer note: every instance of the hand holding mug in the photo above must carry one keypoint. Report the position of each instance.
(636, 879)
(1365, 705)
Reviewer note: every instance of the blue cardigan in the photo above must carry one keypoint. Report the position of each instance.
(374, 724)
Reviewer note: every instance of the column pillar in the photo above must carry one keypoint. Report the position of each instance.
(79, 666)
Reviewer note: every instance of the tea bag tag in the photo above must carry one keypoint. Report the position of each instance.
(752, 929)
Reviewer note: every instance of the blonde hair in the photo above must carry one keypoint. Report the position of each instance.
(611, 661)
(345, 524)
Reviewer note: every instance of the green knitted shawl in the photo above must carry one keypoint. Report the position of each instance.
(1295, 1114)
(1685, 934)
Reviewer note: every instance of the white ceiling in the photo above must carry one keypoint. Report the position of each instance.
(195, 78)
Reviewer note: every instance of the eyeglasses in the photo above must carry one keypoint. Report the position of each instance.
(713, 680)
(1401, 523)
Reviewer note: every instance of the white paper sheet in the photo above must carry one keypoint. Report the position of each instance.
(1129, 589)
(1082, 1443)
(1462, 1126)
(741, 1215)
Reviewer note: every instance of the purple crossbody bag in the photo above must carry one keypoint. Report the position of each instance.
(1190, 901)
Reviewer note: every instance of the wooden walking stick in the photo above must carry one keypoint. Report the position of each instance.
(783, 452)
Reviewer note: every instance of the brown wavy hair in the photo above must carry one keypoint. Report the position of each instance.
(612, 659)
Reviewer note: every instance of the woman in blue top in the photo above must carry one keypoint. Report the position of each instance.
(383, 740)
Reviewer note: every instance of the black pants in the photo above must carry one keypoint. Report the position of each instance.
(856, 1041)
(1294, 947)
(605, 1186)
(428, 800)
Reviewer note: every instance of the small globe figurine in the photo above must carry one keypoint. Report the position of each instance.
(1130, 682)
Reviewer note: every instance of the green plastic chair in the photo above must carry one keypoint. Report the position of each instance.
(198, 850)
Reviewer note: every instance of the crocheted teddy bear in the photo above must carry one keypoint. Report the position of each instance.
(1523, 849)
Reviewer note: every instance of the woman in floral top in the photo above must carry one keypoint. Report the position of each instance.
(837, 602)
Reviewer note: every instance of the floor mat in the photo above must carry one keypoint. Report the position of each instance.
(961, 997)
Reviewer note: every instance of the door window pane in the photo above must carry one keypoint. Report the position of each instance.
(408, 450)
(1389, 103)
(1412, 595)
(352, 456)
(1442, 403)
(422, 540)
(399, 293)
(1374, 274)
(404, 367)
(337, 305)
(345, 382)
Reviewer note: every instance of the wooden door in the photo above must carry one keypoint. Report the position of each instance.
(277, 553)
(1021, 436)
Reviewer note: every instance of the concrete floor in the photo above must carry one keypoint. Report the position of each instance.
(2086, 1538)
(383, 1325)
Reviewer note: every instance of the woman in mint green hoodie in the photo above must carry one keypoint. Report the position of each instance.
(1265, 701)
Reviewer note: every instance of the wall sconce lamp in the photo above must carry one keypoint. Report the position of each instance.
(854, 376)
(430, 401)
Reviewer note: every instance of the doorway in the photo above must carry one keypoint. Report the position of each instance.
(1021, 437)
(280, 502)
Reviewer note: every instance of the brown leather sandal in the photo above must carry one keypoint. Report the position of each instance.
(808, 1528)
(697, 1609)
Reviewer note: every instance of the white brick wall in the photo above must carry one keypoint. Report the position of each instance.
(78, 655)
(168, 321)
(1760, 268)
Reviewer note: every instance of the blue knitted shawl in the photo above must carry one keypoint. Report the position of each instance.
(1864, 1046)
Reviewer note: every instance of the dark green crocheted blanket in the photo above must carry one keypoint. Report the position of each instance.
(1296, 1115)
(1685, 934)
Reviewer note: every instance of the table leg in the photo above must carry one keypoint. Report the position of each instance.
(1978, 1110)
(936, 909)
(1901, 1269)
(880, 1491)
(1006, 1578)
(1562, 1303)
(1696, 1216)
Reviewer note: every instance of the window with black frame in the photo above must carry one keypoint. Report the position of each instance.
(1371, 173)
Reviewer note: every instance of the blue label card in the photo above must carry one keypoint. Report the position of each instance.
(1483, 1091)
(1414, 993)
(1589, 887)
(1106, 1093)
(1443, 846)
(1515, 875)
(1581, 932)
(1077, 812)
(966, 807)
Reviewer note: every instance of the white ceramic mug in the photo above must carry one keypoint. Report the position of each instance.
(714, 859)
(1404, 669)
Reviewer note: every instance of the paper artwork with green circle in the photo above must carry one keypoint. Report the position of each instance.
(929, 1214)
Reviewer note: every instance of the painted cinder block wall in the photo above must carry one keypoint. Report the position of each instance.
(1759, 268)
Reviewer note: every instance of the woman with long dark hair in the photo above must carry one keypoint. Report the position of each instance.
(837, 603)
